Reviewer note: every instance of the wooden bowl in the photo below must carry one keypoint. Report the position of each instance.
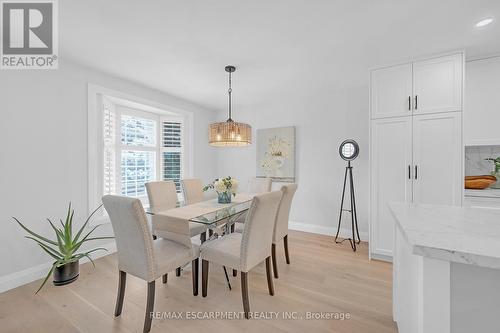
(479, 182)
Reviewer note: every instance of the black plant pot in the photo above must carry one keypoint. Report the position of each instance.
(66, 274)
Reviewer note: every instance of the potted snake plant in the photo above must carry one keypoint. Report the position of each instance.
(64, 248)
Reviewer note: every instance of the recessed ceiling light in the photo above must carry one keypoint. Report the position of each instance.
(484, 22)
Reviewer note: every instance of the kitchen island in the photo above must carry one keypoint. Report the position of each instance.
(446, 269)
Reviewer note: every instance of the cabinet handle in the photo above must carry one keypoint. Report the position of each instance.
(409, 171)
(416, 102)
(409, 103)
(416, 171)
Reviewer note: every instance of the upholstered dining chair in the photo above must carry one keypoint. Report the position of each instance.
(162, 196)
(143, 257)
(255, 186)
(193, 190)
(243, 251)
(281, 225)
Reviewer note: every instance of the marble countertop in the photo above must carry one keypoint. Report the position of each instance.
(463, 235)
(486, 193)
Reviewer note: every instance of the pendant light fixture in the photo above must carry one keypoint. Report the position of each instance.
(230, 133)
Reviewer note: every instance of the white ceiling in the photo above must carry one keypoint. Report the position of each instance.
(278, 46)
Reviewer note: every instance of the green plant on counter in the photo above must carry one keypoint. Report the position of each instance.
(496, 162)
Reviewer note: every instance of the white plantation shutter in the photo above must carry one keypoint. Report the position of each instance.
(109, 158)
(172, 151)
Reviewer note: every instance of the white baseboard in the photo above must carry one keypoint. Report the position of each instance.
(323, 230)
(16, 279)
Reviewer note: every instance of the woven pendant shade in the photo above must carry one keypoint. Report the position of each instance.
(230, 134)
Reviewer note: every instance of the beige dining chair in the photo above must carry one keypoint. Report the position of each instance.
(255, 186)
(281, 225)
(193, 190)
(162, 196)
(244, 251)
(143, 257)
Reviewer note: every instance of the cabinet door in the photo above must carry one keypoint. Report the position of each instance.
(390, 91)
(437, 84)
(437, 158)
(390, 178)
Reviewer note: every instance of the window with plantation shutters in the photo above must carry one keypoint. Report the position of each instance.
(132, 141)
(172, 151)
(139, 147)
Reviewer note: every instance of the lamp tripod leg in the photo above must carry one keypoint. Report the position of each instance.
(341, 206)
(354, 211)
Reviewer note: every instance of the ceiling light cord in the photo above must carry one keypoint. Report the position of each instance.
(230, 90)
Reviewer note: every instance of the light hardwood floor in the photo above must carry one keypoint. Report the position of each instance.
(322, 277)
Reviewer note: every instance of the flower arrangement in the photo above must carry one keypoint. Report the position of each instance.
(225, 187)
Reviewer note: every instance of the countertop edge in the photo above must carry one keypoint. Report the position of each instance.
(444, 254)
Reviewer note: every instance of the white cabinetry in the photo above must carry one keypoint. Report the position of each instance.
(390, 177)
(482, 117)
(416, 149)
(437, 84)
(437, 158)
(391, 91)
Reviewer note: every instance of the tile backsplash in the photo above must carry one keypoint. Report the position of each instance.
(474, 159)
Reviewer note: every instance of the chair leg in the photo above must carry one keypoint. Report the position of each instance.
(285, 243)
(178, 271)
(270, 285)
(275, 264)
(194, 275)
(204, 277)
(149, 307)
(122, 280)
(235, 272)
(164, 278)
(244, 294)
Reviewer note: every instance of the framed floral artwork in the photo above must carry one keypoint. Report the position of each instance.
(276, 153)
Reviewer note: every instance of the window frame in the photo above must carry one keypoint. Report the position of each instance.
(96, 97)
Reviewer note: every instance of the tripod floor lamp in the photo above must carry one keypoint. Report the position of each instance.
(349, 150)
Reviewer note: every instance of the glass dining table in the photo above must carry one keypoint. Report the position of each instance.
(219, 218)
(210, 212)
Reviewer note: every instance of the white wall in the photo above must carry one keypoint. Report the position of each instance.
(323, 118)
(43, 131)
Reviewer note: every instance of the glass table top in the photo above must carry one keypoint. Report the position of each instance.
(231, 211)
(209, 212)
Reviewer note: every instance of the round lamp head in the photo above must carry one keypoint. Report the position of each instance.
(349, 150)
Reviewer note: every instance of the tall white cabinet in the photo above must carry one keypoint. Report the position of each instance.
(416, 149)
